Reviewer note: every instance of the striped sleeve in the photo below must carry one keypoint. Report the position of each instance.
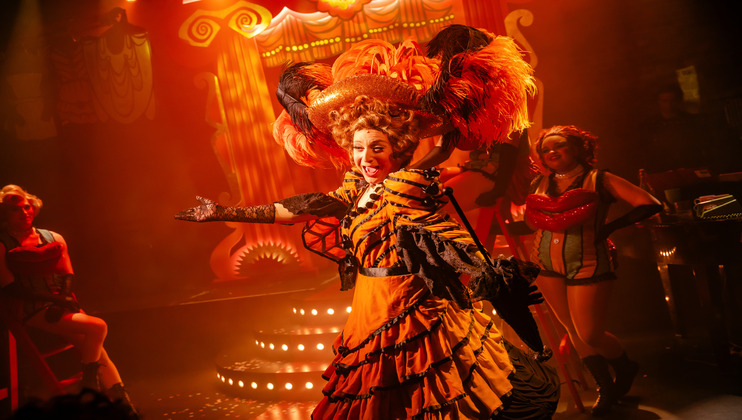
(416, 198)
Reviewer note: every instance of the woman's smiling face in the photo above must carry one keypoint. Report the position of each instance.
(372, 155)
(558, 154)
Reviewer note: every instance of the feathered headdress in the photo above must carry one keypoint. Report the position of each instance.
(293, 130)
(475, 82)
(483, 86)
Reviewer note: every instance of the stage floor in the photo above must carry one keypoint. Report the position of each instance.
(167, 357)
(668, 387)
(677, 380)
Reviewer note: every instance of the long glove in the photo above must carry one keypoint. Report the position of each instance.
(209, 211)
(637, 214)
(508, 286)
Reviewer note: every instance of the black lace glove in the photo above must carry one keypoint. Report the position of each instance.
(637, 214)
(509, 287)
(210, 211)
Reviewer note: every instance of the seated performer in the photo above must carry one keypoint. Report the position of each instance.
(568, 208)
(36, 275)
(417, 344)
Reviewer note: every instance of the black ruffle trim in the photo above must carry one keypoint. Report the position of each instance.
(346, 398)
(438, 407)
(410, 379)
(344, 369)
(439, 262)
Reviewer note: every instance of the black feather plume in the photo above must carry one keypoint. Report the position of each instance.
(296, 81)
(449, 42)
(455, 39)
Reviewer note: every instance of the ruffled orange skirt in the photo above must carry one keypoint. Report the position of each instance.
(405, 353)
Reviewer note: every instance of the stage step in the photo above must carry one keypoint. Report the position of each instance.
(268, 380)
(299, 344)
(287, 363)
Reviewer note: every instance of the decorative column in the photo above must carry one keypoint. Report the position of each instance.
(240, 110)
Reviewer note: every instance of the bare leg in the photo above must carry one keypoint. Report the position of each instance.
(588, 307)
(588, 304)
(85, 331)
(109, 375)
(555, 293)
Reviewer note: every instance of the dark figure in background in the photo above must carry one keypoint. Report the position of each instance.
(674, 138)
(568, 209)
(36, 276)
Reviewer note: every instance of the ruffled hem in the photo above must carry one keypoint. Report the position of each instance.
(432, 362)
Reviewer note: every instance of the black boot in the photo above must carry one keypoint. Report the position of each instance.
(626, 370)
(118, 393)
(90, 375)
(598, 367)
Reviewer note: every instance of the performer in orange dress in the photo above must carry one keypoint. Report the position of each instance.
(416, 344)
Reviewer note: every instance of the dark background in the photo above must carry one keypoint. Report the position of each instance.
(111, 189)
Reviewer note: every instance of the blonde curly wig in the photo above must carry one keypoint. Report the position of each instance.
(13, 193)
(398, 123)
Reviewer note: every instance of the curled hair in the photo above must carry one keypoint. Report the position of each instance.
(584, 142)
(399, 124)
(11, 193)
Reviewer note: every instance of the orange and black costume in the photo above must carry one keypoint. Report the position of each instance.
(416, 344)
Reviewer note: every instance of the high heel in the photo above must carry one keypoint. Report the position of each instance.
(598, 367)
(625, 370)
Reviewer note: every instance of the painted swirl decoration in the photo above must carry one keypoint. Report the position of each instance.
(250, 21)
(247, 19)
(202, 30)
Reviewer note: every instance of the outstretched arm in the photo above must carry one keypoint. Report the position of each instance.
(210, 211)
(289, 210)
(645, 204)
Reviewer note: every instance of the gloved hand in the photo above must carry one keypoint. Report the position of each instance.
(518, 298)
(636, 214)
(511, 293)
(206, 212)
(210, 211)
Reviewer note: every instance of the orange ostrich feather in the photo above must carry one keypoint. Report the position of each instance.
(405, 62)
(487, 98)
(316, 151)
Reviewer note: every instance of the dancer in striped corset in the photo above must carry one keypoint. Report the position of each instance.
(568, 209)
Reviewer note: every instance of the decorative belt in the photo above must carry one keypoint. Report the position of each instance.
(395, 270)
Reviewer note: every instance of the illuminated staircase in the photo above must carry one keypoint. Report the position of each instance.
(287, 363)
